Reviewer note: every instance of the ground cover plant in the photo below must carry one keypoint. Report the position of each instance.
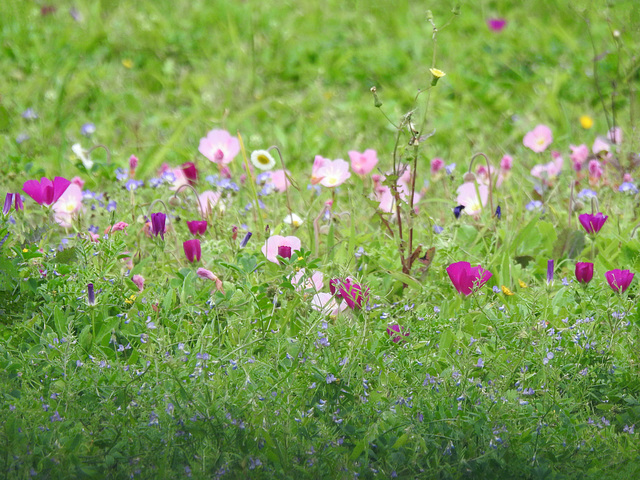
(400, 245)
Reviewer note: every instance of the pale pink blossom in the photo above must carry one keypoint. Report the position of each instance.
(68, 205)
(363, 163)
(600, 145)
(318, 163)
(437, 164)
(506, 163)
(468, 196)
(549, 171)
(579, 155)
(627, 178)
(209, 275)
(387, 200)
(219, 146)
(615, 135)
(139, 281)
(272, 247)
(78, 181)
(538, 139)
(327, 304)
(179, 178)
(302, 282)
(279, 179)
(208, 200)
(334, 173)
(595, 170)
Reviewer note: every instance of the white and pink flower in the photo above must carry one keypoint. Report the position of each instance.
(219, 146)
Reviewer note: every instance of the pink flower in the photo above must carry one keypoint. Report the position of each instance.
(579, 155)
(279, 180)
(190, 172)
(538, 139)
(615, 135)
(437, 164)
(302, 282)
(139, 281)
(627, 178)
(133, 163)
(592, 223)
(506, 163)
(219, 147)
(327, 304)
(208, 200)
(179, 178)
(600, 145)
(77, 181)
(272, 246)
(619, 280)
(192, 249)
(209, 275)
(119, 226)
(465, 278)
(46, 192)
(468, 197)
(318, 163)
(363, 163)
(197, 227)
(334, 173)
(595, 169)
(69, 203)
(496, 24)
(393, 330)
(549, 171)
(354, 294)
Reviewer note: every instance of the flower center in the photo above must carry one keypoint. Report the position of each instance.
(263, 159)
(218, 155)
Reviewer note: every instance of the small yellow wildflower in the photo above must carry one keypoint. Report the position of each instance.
(522, 284)
(130, 299)
(127, 63)
(506, 290)
(436, 75)
(25, 250)
(586, 122)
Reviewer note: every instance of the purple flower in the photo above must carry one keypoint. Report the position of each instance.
(331, 378)
(496, 24)
(619, 280)
(91, 296)
(192, 249)
(592, 223)
(158, 221)
(197, 227)
(465, 278)
(88, 129)
(549, 272)
(245, 240)
(458, 210)
(584, 272)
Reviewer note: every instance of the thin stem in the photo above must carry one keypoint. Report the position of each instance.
(187, 185)
(480, 154)
(106, 150)
(286, 178)
(254, 192)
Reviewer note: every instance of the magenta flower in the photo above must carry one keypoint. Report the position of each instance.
(538, 139)
(363, 163)
(437, 164)
(190, 172)
(595, 170)
(393, 330)
(139, 281)
(465, 278)
(592, 223)
(219, 147)
(192, 249)
(506, 163)
(496, 24)
(197, 227)
(158, 221)
(354, 294)
(12, 198)
(46, 192)
(619, 280)
(272, 247)
(209, 275)
(584, 272)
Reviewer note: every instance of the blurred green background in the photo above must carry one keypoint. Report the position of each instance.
(155, 76)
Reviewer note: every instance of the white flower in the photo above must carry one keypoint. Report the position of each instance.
(293, 219)
(82, 155)
(262, 160)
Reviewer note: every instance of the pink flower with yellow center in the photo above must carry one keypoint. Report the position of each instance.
(538, 139)
(334, 173)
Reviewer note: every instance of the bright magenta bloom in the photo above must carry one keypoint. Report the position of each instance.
(619, 280)
(197, 227)
(273, 247)
(192, 249)
(592, 223)
(465, 278)
(354, 294)
(584, 272)
(496, 24)
(396, 329)
(46, 192)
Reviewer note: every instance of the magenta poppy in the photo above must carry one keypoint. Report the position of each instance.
(197, 227)
(592, 223)
(465, 278)
(354, 294)
(190, 171)
(46, 192)
(584, 272)
(619, 280)
(192, 249)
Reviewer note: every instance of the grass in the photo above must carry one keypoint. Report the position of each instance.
(521, 379)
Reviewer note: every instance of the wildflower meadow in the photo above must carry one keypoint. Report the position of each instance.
(335, 240)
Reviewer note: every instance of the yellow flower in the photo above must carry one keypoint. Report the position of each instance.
(130, 299)
(506, 290)
(436, 75)
(127, 63)
(25, 250)
(586, 122)
(522, 284)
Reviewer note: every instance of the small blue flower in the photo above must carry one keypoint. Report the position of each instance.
(132, 184)
(88, 129)
(450, 168)
(331, 378)
(111, 206)
(29, 114)
(587, 194)
(437, 229)
(534, 205)
(628, 187)
(121, 174)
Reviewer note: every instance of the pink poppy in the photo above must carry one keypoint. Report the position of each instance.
(468, 197)
(549, 171)
(219, 146)
(619, 280)
(208, 200)
(334, 173)
(277, 244)
(538, 139)
(46, 192)
(318, 163)
(465, 278)
(579, 155)
(302, 282)
(279, 180)
(327, 304)
(69, 203)
(363, 163)
(600, 145)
